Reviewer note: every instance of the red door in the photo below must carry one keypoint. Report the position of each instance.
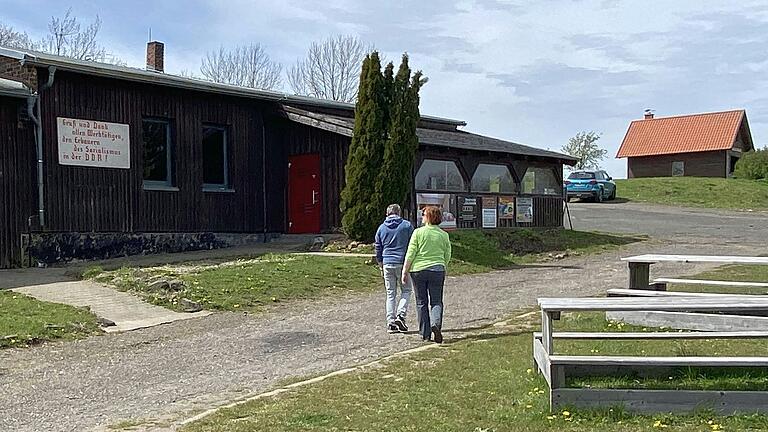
(304, 206)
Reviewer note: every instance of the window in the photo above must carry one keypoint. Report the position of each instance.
(582, 175)
(678, 168)
(156, 135)
(439, 175)
(492, 178)
(215, 165)
(599, 175)
(541, 181)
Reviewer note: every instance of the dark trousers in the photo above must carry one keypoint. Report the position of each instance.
(428, 286)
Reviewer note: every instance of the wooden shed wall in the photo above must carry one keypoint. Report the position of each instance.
(701, 164)
(18, 198)
(86, 199)
(286, 139)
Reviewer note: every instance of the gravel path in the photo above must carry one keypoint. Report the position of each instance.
(173, 370)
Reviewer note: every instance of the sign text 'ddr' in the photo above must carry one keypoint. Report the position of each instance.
(93, 143)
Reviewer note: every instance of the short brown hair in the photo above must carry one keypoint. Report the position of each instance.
(434, 215)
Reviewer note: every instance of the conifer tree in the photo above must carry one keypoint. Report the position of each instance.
(396, 175)
(379, 169)
(360, 208)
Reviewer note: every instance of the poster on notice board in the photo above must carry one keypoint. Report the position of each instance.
(489, 212)
(444, 202)
(468, 212)
(506, 207)
(524, 210)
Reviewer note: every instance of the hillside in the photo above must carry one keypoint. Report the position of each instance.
(720, 193)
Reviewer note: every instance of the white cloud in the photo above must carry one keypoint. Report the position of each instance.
(532, 72)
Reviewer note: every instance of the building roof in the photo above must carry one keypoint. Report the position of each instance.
(164, 79)
(13, 88)
(428, 136)
(444, 134)
(685, 134)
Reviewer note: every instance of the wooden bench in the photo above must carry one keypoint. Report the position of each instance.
(639, 266)
(733, 284)
(624, 292)
(555, 367)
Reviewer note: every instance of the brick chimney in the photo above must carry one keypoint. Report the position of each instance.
(648, 114)
(155, 55)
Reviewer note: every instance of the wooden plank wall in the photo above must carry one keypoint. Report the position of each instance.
(294, 139)
(702, 164)
(547, 211)
(85, 199)
(18, 191)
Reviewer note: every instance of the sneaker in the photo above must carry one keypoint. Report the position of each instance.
(400, 323)
(438, 336)
(392, 328)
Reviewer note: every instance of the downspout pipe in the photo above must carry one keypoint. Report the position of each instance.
(33, 108)
(32, 103)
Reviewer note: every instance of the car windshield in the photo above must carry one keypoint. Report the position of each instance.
(582, 175)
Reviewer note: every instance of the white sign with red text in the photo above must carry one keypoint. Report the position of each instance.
(93, 143)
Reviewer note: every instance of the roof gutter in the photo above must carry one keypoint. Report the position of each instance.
(13, 93)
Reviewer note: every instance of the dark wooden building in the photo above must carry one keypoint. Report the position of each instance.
(699, 145)
(138, 161)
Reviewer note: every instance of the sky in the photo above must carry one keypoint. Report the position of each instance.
(532, 72)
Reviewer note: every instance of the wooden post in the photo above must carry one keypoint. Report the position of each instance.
(546, 331)
(639, 275)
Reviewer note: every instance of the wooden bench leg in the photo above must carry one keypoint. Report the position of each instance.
(557, 375)
(546, 331)
(639, 275)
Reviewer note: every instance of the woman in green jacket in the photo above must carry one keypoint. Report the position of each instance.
(429, 253)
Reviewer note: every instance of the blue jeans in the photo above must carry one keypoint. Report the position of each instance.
(395, 308)
(428, 286)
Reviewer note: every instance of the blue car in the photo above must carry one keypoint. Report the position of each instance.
(595, 185)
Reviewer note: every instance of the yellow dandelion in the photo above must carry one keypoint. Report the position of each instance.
(566, 414)
(529, 406)
(529, 371)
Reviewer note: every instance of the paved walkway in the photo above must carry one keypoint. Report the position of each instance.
(127, 311)
(171, 372)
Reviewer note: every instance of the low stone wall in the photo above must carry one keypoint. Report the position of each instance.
(50, 248)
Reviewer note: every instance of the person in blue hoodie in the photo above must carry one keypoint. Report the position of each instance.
(391, 244)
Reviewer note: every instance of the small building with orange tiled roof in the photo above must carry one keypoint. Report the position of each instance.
(698, 145)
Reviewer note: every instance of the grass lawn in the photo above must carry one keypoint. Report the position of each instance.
(252, 284)
(735, 194)
(477, 251)
(483, 383)
(26, 321)
(247, 284)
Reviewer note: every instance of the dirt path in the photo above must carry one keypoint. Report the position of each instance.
(174, 370)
